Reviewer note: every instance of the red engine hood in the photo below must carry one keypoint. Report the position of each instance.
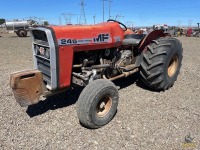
(88, 31)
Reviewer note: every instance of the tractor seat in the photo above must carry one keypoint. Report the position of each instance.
(133, 39)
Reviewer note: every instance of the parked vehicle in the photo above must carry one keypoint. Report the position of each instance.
(196, 33)
(93, 56)
(19, 27)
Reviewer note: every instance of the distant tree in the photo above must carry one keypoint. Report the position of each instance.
(2, 21)
(46, 23)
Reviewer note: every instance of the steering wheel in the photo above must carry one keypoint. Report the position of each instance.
(119, 23)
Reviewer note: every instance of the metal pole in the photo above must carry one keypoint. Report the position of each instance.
(116, 17)
(103, 10)
(94, 18)
(82, 14)
(132, 25)
(109, 7)
(60, 20)
(13, 26)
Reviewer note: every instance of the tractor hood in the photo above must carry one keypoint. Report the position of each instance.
(82, 34)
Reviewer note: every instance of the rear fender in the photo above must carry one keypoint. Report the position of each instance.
(150, 37)
(145, 42)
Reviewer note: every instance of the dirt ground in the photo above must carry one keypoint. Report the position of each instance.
(145, 120)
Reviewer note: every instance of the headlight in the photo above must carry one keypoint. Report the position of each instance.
(42, 51)
(47, 53)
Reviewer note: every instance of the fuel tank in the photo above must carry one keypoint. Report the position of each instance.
(14, 25)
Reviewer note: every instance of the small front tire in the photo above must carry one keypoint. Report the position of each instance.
(97, 104)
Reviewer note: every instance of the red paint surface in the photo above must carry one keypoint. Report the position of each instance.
(89, 31)
(66, 53)
(189, 32)
(65, 65)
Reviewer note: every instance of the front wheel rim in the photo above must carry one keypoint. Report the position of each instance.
(104, 106)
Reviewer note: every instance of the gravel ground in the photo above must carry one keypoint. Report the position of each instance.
(145, 119)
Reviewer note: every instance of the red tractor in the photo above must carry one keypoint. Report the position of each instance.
(93, 56)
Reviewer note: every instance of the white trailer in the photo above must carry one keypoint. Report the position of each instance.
(19, 27)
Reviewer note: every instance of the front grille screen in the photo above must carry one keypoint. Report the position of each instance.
(40, 35)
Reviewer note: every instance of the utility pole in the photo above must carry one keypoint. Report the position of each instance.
(190, 23)
(94, 17)
(103, 8)
(60, 20)
(130, 24)
(110, 1)
(109, 7)
(64, 17)
(118, 16)
(68, 17)
(41, 21)
(179, 23)
(33, 18)
(82, 15)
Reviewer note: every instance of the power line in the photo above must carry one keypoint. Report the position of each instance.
(118, 16)
(68, 17)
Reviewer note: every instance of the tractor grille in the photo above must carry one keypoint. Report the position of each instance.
(44, 66)
(43, 42)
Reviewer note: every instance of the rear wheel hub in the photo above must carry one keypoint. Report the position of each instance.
(173, 65)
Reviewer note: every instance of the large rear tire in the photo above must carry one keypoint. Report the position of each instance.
(161, 63)
(97, 104)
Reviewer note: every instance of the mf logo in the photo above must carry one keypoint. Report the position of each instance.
(101, 38)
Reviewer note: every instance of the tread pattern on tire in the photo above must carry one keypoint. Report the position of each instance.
(85, 97)
(153, 67)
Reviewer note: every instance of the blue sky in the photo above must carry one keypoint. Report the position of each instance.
(138, 13)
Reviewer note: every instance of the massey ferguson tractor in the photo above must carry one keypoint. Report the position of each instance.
(93, 56)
